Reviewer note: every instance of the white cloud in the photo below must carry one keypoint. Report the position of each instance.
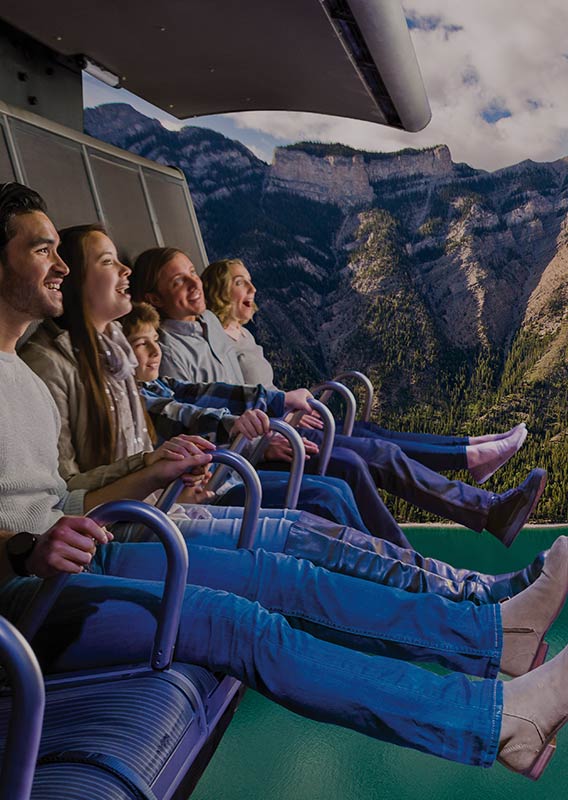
(510, 52)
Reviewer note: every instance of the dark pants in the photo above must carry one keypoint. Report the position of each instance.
(437, 452)
(327, 497)
(394, 471)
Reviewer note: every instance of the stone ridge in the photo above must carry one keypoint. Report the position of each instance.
(349, 181)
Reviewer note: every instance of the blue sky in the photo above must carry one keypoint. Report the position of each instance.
(496, 74)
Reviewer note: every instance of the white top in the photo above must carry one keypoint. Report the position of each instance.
(253, 364)
(33, 496)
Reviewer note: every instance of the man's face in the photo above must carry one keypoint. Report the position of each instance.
(31, 271)
(179, 291)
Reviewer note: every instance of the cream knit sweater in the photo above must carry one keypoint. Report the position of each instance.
(32, 494)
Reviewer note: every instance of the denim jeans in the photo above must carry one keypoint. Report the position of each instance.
(392, 470)
(435, 451)
(328, 646)
(350, 552)
(357, 505)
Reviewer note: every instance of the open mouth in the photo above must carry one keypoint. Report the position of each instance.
(53, 286)
(123, 289)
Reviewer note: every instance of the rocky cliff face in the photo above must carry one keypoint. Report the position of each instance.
(351, 179)
(449, 285)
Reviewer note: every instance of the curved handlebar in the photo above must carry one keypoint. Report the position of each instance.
(348, 396)
(26, 717)
(328, 433)
(222, 472)
(298, 459)
(369, 390)
(328, 437)
(174, 583)
(253, 493)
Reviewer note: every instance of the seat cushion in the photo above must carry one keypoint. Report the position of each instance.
(135, 721)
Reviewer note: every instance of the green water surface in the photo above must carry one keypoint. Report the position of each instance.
(268, 752)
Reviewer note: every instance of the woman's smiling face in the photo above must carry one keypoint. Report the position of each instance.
(106, 281)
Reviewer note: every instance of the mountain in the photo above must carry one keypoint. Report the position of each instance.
(446, 284)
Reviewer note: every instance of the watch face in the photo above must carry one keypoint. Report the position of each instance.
(21, 544)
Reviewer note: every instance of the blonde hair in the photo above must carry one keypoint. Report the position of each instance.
(216, 280)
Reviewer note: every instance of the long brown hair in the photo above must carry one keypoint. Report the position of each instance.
(76, 319)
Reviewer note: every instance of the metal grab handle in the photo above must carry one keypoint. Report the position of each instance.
(298, 461)
(348, 396)
(328, 434)
(253, 493)
(328, 438)
(222, 472)
(174, 583)
(369, 390)
(26, 716)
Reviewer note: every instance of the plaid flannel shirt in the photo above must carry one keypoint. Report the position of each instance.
(204, 409)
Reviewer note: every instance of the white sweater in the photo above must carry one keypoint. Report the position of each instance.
(32, 494)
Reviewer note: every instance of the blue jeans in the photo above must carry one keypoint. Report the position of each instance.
(349, 552)
(350, 469)
(328, 646)
(392, 470)
(438, 452)
(357, 505)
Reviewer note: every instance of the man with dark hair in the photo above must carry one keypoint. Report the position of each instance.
(39, 235)
(16, 199)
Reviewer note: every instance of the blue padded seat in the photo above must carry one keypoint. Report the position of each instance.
(125, 737)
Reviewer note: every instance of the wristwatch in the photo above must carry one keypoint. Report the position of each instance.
(18, 549)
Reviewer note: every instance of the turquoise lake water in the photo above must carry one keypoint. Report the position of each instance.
(268, 752)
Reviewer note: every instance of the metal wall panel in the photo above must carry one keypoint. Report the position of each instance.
(123, 203)
(174, 213)
(143, 204)
(6, 169)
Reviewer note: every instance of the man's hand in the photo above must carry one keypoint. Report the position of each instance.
(297, 400)
(251, 424)
(280, 449)
(68, 546)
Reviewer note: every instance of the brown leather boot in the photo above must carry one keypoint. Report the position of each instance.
(527, 617)
(535, 709)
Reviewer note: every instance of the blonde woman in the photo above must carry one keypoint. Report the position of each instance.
(230, 294)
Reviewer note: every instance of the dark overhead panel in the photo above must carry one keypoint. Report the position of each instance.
(351, 58)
